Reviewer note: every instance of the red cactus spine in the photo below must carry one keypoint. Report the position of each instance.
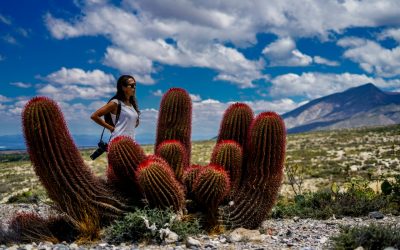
(229, 155)
(266, 147)
(235, 123)
(159, 185)
(60, 167)
(210, 188)
(124, 157)
(189, 176)
(175, 154)
(175, 118)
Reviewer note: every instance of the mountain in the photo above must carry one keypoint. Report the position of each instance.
(365, 105)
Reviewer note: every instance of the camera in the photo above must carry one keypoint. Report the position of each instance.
(102, 147)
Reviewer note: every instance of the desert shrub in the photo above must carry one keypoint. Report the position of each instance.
(25, 197)
(358, 200)
(146, 224)
(369, 237)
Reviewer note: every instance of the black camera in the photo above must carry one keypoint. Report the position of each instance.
(102, 147)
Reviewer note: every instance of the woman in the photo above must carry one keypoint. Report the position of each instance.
(129, 116)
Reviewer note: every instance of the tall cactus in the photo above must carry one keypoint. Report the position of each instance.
(124, 157)
(175, 154)
(229, 155)
(235, 123)
(175, 118)
(60, 167)
(257, 195)
(159, 185)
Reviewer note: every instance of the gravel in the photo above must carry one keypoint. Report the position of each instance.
(292, 233)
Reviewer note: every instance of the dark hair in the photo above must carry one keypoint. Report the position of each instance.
(120, 93)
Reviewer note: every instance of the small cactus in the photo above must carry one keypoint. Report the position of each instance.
(175, 154)
(159, 185)
(189, 176)
(124, 157)
(210, 188)
(229, 155)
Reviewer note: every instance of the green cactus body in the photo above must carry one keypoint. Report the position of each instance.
(258, 193)
(189, 176)
(235, 123)
(229, 155)
(124, 157)
(175, 154)
(60, 167)
(159, 185)
(175, 119)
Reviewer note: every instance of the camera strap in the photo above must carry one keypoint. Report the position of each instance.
(116, 120)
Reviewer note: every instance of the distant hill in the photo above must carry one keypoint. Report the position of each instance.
(17, 142)
(365, 105)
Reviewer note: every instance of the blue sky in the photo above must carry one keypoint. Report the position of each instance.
(273, 55)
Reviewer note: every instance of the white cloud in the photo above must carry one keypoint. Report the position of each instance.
(324, 61)
(69, 84)
(21, 84)
(390, 33)
(372, 57)
(313, 84)
(283, 52)
(4, 98)
(195, 98)
(10, 39)
(79, 76)
(2, 58)
(158, 92)
(5, 20)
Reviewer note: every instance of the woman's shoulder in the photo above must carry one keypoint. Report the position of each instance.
(116, 101)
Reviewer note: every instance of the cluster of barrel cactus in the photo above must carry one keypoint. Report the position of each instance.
(237, 189)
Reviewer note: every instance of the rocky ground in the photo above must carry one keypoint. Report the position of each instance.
(293, 233)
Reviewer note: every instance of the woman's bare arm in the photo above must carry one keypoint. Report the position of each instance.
(96, 116)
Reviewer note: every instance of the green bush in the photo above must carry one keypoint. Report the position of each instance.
(25, 197)
(145, 224)
(358, 200)
(369, 237)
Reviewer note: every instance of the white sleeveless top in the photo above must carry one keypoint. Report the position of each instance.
(126, 121)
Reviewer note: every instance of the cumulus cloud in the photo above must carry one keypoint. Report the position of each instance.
(158, 92)
(21, 85)
(390, 33)
(68, 84)
(371, 56)
(4, 98)
(10, 39)
(195, 98)
(5, 20)
(324, 61)
(313, 84)
(283, 52)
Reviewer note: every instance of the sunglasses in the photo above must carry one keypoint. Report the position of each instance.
(133, 86)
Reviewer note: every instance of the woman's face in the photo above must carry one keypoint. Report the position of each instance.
(129, 87)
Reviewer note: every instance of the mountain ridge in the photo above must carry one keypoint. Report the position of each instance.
(358, 106)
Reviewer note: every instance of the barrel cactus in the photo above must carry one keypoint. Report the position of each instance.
(159, 185)
(57, 162)
(259, 191)
(175, 118)
(175, 154)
